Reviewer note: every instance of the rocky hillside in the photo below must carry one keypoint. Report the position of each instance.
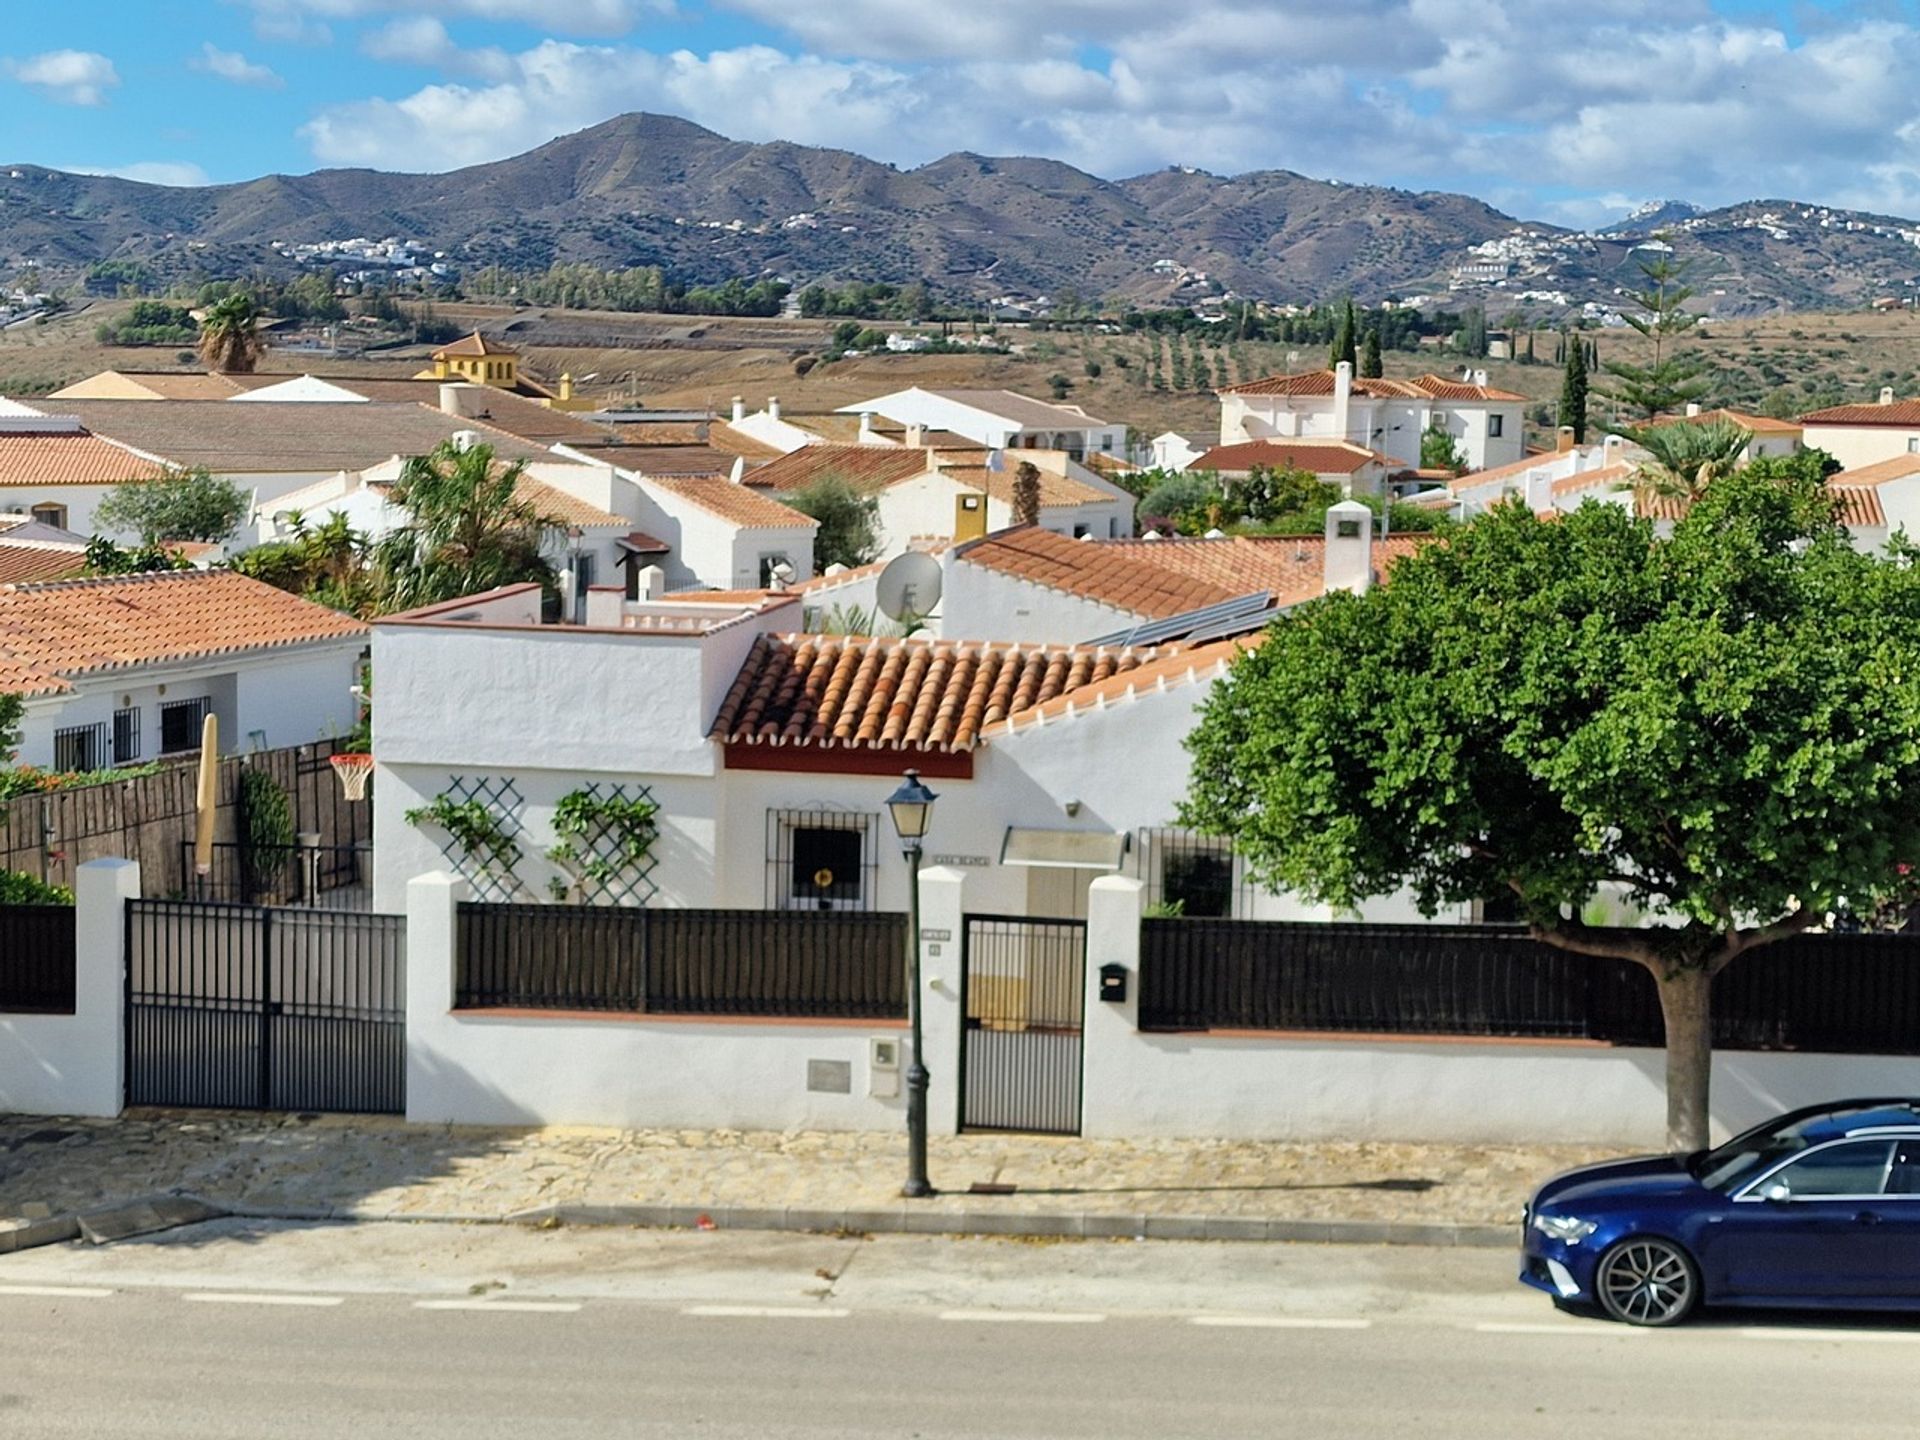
(649, 189)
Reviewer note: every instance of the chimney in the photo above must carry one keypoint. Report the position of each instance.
(653, 582)
(465, 401)
(866, 427)
(1886, 394)
(566, 388)
(1342, 398)
(773, 407)
(1480, 378)
(1693, 408)
(916, 435)
(465, 440)
(739, 409)
(605, 604)
(1349, 548)
(1563, 440)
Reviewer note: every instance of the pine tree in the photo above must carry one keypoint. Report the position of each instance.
(1673, 378)
(1371, 366)
(1530, 355)
(1573, 392)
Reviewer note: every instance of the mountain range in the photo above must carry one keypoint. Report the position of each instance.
(655, 190)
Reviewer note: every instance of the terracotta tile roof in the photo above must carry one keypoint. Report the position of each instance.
(22, 564)
(723, 436)
(1108, 465)
(1880, 473)
(50, 633)
(661, 459)
(552, 500)
(1311, 383)
(660, 432)
(76, 459)
(1606, 477)
(868, 467)
(1855, 506)
(285, 437)
(890, 694)
(1321, 457)
(1905, 413)
(1746, 420)
(472, 346)
(1056, 489)
(1200, 665)
(175, 384)
(740, 504)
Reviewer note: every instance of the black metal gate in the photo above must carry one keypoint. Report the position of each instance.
(1023, 985)
(251, 1007)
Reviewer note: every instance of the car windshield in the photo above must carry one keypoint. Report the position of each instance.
(1747, 1154)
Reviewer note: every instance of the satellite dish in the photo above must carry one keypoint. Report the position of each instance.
(910, 585)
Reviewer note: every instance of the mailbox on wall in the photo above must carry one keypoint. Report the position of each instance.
(1113, 984)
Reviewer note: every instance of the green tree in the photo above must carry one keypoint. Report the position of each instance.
(1564, 711)
(1342, 351)
(327, 564)
(1026, 493)
(105, 557)
(467, 530)
(230, 342)
(1573, 391)
(1371, 365)
(1686, 456)
(849, 520)
(1673, 377)
(1440, 451)
(12, 711)
(180, 505)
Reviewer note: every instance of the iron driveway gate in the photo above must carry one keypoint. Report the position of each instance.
(1023, 985)
(251, 1007)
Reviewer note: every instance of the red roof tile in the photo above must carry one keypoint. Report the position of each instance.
(1904, 413)
(1321, 457)
(867, 467)
(1421, 387)
(737, 503)
(74, 459)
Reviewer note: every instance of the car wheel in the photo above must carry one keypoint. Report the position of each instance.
(1647, 1281)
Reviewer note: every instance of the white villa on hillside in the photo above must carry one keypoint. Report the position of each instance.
(1858, 435)
(1384, 415)
(999, 420)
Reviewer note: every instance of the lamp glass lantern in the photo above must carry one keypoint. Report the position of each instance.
(912, 808)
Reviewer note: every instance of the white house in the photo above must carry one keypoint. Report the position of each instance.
(1771, 438)
(1386, 415)
(121, 670)
(1352, 469)
(1000, 419)
(55, 471)
(1860, 435)
(1178, 449)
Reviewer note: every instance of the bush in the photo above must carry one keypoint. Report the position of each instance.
(19, 889)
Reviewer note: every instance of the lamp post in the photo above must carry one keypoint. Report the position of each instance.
(912, 809)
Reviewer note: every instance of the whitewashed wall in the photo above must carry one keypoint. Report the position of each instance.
(1857, 445)
(980, 603)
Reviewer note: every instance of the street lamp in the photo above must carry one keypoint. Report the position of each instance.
(912, 809)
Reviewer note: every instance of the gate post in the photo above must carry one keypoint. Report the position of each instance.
(943, 929)
(101, 890)
(1114, 906)
(433, 915)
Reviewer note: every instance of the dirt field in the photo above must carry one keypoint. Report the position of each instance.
(1784, 364)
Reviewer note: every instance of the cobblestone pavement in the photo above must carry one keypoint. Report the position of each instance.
(384, 1168)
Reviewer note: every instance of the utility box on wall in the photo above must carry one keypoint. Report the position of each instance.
(883, 1067)
(1113, 984)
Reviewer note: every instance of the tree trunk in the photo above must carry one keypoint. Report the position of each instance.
(1686, 1007)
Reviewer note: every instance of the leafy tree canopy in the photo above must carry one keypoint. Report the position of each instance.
(467, 530)
(1723, 728)
(849, 517)
(181, 505)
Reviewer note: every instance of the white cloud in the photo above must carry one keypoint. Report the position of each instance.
(423, 40)
(307, 19)
(150, 172)
(232, 65)
(73, 77)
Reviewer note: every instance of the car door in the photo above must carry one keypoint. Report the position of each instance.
(1815, 1227)
(1899, 1222)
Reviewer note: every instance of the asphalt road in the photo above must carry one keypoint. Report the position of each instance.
(247, 1330)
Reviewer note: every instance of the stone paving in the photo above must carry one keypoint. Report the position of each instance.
(357, 1167)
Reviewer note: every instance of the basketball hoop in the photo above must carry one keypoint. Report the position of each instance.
(354, 772)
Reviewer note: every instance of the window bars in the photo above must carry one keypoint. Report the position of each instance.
(821, 859)
(80, 747)
(1187, 873)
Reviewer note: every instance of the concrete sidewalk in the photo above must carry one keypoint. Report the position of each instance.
(346, 1167)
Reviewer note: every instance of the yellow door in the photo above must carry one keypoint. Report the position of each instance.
(969, 515)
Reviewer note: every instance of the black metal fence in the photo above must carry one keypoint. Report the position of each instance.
(824, 964)
(1847, 994)
(321, 877)
(36, 959)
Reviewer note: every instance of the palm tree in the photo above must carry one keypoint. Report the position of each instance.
(467, 529)
(230, 341)
(1686, 456)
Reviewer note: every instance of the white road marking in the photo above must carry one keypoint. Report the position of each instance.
(1024, 1317)
(1783, 1332)
(259, 1297)
(71, 1292)
(1596, 1330)
(766, 1312)
(1279, 1322)
(534, 1307)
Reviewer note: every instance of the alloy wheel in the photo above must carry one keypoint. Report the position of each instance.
(1647, 1282)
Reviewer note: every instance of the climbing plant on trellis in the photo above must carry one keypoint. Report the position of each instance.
(605, 836)
(480, 818)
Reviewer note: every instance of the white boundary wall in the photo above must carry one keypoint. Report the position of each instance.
(73, 1064)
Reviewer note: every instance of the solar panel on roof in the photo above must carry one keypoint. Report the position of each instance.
(1180, 627)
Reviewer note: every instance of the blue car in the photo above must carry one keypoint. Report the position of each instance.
(1819, 1208)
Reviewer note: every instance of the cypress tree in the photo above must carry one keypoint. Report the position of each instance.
(1343, 341)
(1371, 366)
(1573, 392)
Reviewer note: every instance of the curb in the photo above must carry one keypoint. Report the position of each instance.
(121, 1221)
(903, 1220)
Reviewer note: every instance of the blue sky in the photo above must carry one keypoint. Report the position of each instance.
(1568, 110)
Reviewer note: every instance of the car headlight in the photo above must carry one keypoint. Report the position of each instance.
(1567, 1229)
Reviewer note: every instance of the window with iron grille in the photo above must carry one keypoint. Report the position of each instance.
(80, 747)
(180, 724)
(1193, 875)
(126, 736)
(821, 859)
